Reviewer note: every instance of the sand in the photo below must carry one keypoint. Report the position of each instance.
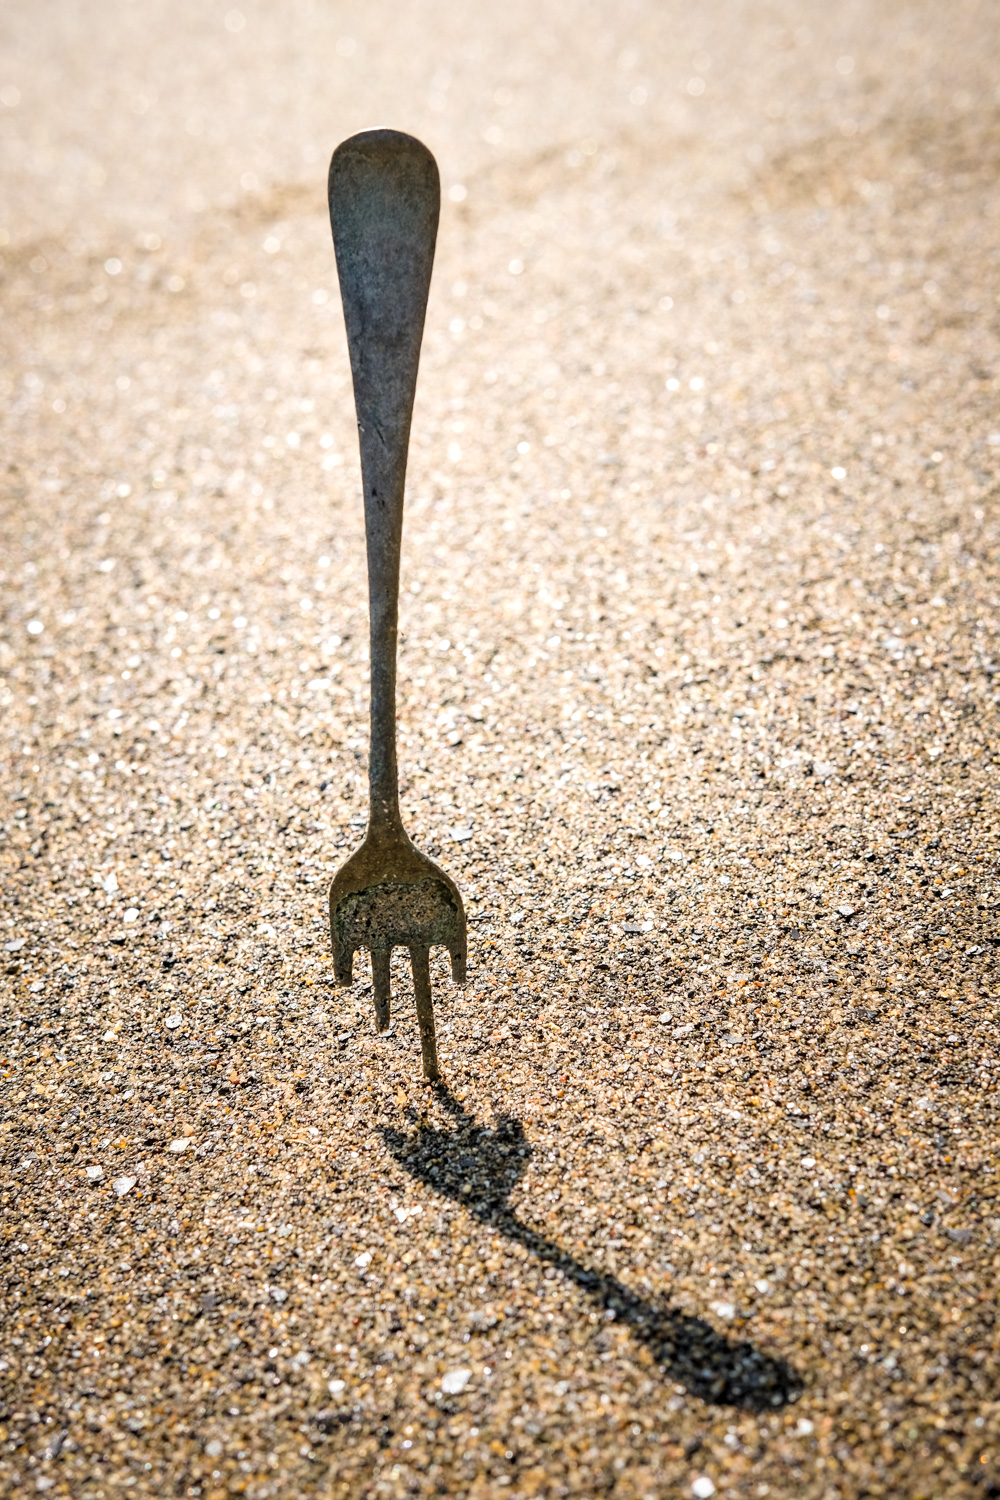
(697, 704)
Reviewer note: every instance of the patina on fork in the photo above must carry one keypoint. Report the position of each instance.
(385, 198)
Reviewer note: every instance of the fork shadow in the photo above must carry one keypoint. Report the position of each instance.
(479, 1166)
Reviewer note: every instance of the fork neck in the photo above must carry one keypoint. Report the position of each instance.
(383, 482)
(383, 778)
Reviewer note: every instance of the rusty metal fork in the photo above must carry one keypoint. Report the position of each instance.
(385, 198)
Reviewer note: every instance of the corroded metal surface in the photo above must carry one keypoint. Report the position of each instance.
(384, 203)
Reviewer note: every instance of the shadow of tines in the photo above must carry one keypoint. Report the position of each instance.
(479, 1166)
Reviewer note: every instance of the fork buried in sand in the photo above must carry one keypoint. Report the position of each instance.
(385, 198)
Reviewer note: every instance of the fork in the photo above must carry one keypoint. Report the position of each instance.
(385, 197)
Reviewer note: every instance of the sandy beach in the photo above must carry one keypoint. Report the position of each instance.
(698, 705)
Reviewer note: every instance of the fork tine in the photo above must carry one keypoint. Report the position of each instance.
(420, 959)
(381, 987)
(343, 961)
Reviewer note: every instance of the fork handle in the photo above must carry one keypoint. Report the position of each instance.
(385, 198)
